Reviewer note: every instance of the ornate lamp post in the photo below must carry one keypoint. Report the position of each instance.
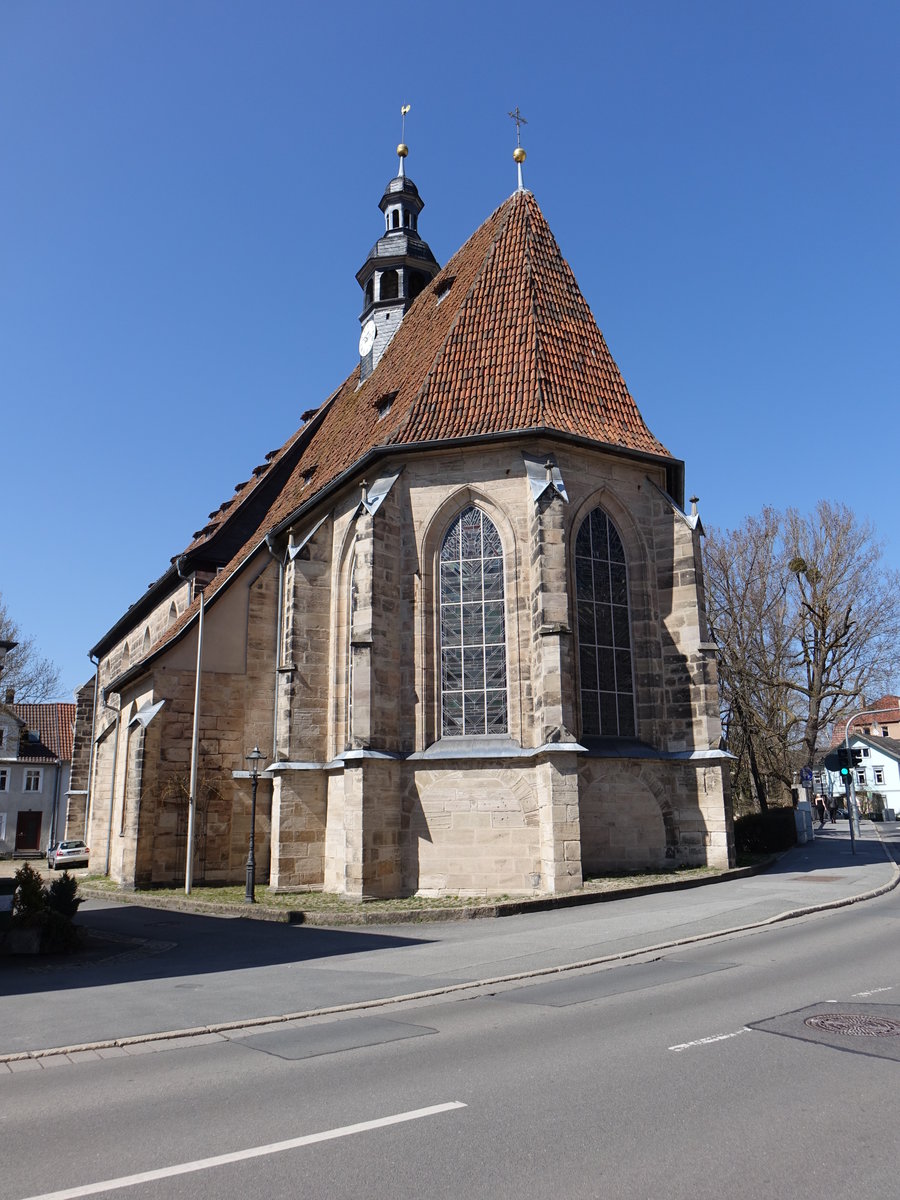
(253, 758)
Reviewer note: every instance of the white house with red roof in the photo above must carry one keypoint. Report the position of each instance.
(35, 764)
(460, 609)
(876, 739)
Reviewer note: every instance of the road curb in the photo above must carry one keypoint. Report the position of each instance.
(416, 916)
(222, 1028)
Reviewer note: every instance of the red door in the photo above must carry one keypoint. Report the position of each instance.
(28, 832)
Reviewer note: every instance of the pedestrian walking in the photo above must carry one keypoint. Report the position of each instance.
(832, 809)
(820, 810)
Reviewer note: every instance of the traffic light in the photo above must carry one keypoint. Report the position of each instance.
(857, 757)
(844, 763)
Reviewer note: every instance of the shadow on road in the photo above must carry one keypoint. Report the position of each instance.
(127, 943)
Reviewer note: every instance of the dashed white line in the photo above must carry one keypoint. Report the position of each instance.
(204, 1164)
(873, 992)
(707, 1041)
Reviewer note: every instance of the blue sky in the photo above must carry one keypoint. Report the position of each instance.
(189, 188)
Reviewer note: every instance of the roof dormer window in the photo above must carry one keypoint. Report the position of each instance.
(443, 288)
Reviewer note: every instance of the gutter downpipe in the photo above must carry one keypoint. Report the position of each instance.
(279, 637)
(93, 758)
(54, 813)
(112, 782)
(853, 814)
(195, 745)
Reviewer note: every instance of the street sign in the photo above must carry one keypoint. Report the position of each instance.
(806, 775)
(832, 761)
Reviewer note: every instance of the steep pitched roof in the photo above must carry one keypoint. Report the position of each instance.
(501, 342)
(54, 725)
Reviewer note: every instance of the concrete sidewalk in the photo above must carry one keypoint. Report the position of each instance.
(149, 972)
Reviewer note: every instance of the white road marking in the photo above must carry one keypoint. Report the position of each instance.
(707, 1041)
(219, 1160)
(873, 992)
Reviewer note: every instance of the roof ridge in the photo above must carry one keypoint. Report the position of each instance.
(538, 344)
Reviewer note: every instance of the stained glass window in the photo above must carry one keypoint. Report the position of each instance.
(604, 630)
(473, 631)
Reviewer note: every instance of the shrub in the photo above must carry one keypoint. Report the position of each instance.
(47, 909)
(765, 832)
(62, 895)
(30, 898)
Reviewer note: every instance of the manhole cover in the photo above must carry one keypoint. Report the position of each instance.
(854, 1024)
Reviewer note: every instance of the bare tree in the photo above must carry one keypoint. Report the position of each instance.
(32, 679)
(847, 619)
(748, 617)
(807, 619)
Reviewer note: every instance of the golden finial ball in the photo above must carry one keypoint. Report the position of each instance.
(519, 154)
(402, 150)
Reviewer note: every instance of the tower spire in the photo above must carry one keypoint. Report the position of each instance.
(398, 267)
(519, 155)
(402, 149)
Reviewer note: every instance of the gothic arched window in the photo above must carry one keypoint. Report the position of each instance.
(604, 630)
(473, 628)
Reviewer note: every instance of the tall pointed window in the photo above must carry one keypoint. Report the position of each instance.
(604, 630)
(473, 628)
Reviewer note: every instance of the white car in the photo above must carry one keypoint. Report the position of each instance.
(67, 854)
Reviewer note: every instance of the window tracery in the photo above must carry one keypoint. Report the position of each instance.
(472, 628)
(604, 629)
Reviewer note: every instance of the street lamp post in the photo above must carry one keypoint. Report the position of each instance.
(852, 810)
(253, 758)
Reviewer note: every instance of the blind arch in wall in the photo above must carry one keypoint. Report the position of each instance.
(604, 630)
(472, 628)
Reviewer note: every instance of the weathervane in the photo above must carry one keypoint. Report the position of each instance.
(518, 153)
(403, 149)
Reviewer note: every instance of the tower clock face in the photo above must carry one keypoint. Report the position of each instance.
(366, 338)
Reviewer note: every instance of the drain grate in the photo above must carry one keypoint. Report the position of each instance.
(854, 1024)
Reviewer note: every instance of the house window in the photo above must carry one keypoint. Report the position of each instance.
(861, 777)
(2, 736)
(604, 629)
(33, 780)
(879, 775)
(884, 731)
(472, 628)
(4, 779)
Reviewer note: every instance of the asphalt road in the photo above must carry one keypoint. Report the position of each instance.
(688, 1075)
(757, 1063)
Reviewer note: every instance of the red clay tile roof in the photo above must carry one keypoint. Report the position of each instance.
(510, 346)
(890, 717)
(501, 341)
(53, 723)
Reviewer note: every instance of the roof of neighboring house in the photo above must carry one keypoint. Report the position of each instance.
(890, 703)
(500, 343)
(891, 716)
(54, 725)
(886, 745)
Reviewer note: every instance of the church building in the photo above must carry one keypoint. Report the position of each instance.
(460, 611)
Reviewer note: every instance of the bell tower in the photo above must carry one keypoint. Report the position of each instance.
(398, 267)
